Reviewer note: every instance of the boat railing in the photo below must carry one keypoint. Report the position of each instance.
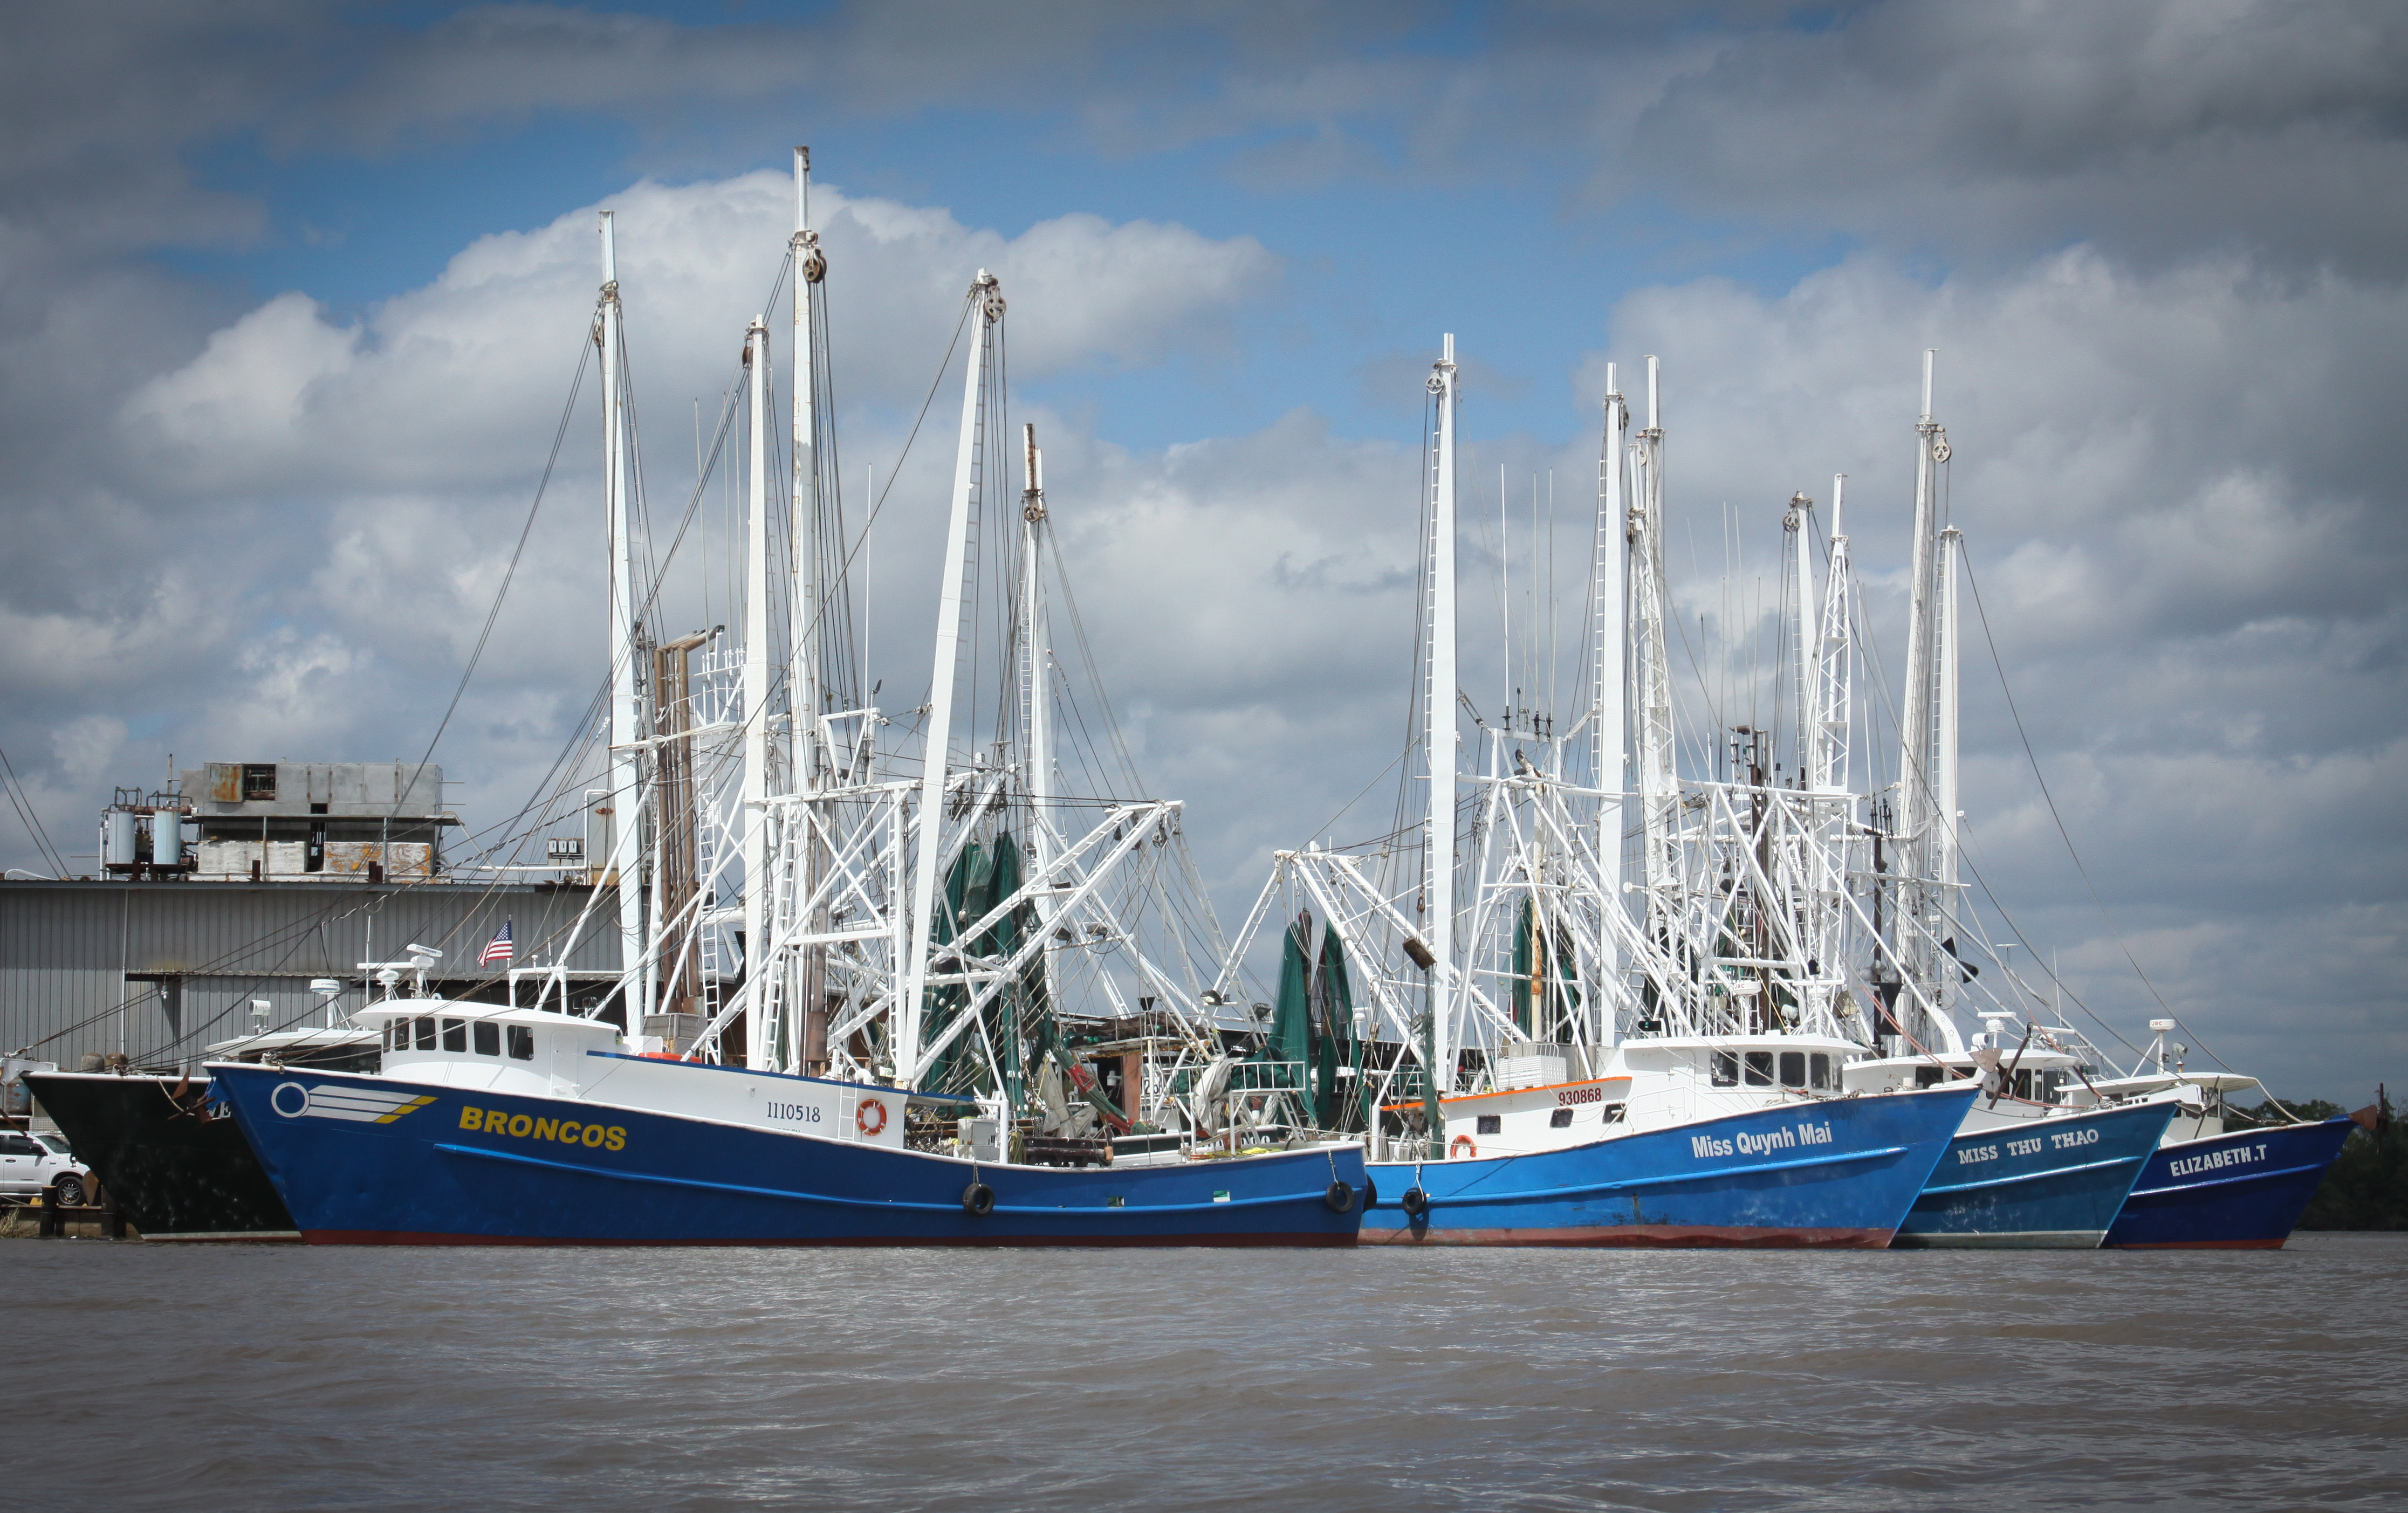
(1246, 1076)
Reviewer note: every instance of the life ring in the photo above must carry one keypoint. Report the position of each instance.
(1461, 1146)
(870, 1116)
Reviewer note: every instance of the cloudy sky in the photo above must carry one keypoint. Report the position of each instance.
(290, 297)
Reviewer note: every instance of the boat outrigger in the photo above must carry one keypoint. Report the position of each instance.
(1541, 1064)
(952, 1000)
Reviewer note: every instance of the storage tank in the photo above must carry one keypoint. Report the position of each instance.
(167, 839)
(117, 846)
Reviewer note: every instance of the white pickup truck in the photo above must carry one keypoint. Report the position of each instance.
(29, 1164)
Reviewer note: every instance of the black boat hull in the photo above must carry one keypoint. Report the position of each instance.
(175, 1173)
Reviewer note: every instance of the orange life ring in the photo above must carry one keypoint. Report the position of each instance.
(1462, 1143)
(870, 1116)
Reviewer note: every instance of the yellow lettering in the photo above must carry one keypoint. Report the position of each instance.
(472, 1119)
(568, 1128)
(546, 1129)
(520, 1125)
(616, 1140)
(593, 1135)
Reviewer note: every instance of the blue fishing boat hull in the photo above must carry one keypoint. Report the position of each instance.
(2053, 1184)
(1840, 1174)
(430, 1174)
(2238, 1191)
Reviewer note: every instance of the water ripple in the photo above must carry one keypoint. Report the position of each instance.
(175, 1376)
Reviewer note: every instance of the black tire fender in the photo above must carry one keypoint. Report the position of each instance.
(1415, 1201)
(1340, 1198)
(978, 1200)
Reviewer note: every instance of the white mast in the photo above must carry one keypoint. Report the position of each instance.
(805, 627)
(803, 521)
(1438, 733)
(758, 1039)
(1038, 712)
(626, 695)
(1651, 677)
(1797, 525)
(987, 309)
(1037, 707)
(1942, 847)
(1917, 728)
(1605, 656)
(1827, 764)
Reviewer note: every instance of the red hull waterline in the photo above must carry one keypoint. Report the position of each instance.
(1645, 1237)
(369, 1236)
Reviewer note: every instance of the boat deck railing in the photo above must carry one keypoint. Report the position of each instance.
(1247, 1076)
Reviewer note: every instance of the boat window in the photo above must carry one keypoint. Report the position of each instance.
(1560, 1120)
(1822, 1071)
(1793, 1069)
(522, 1043)
(1759, 1068)
(1928, 1077)
(1725, 1069)
(489, 1038)
(1614, 1113)
(425, 1033)
(2051, 1084)
(1492, 1123)
(397, 1034)
(455, 1035)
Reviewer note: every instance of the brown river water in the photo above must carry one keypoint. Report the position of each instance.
(288, 1378)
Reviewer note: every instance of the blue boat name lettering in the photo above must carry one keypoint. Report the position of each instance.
(799, 1113)
(564, 1131)
(1971, 1153)
(1702, 1146)
(2240, 1155)
(2068, 1140)
(2024, 1148)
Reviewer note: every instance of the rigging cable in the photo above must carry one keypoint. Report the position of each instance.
(2063, 834)
(559, 435)
(22, 803)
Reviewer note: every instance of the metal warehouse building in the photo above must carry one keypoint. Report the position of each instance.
(155, 970)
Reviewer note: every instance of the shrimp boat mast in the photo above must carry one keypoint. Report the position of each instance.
(1575, 1076)
(2055, 1152)
(966, 1009)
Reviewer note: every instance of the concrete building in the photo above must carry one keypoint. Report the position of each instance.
(282, 821)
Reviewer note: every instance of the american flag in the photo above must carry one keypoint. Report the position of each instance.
(498, 949)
